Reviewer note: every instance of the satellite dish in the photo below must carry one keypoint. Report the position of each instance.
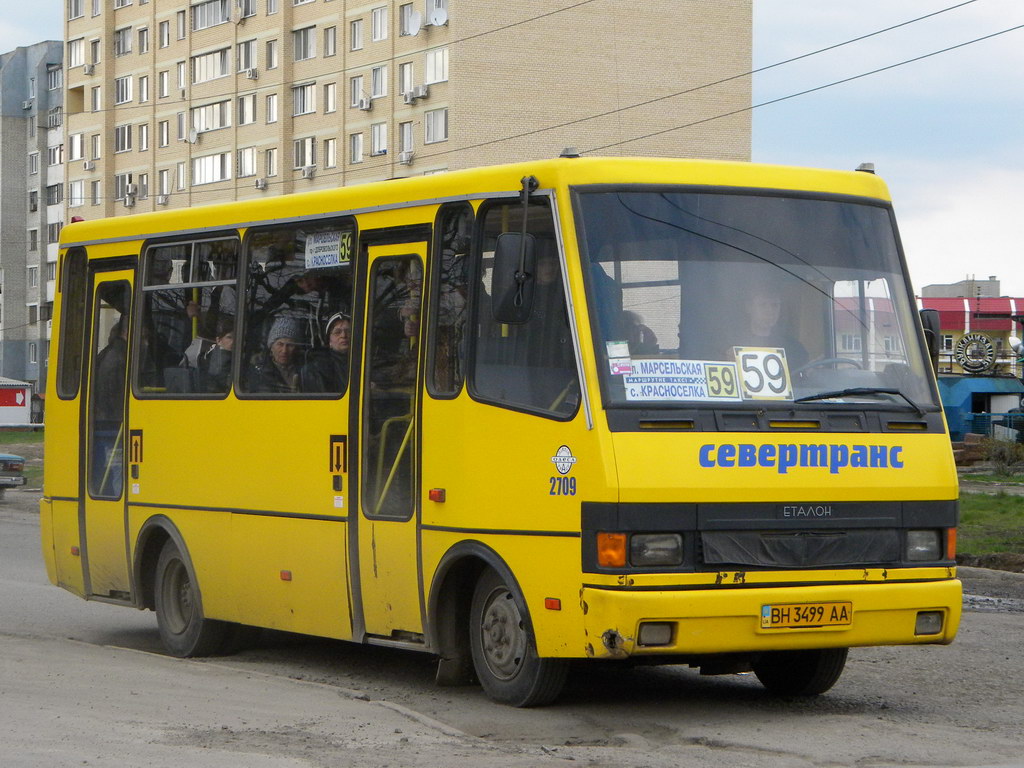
(415, 23)
(193, 136)
(438, 17)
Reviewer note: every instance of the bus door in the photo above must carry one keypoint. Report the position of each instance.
(387, 548)
(102, 515)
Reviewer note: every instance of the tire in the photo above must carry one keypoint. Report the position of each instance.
(184, 630)
(800, 673)
(504, 651)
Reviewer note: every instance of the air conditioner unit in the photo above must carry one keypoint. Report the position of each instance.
(26, 104)
(131, 190)
(420, 91)
(252, 73)
(309, 171)
(408, 97)
(162, 199)
(89, 165)
(405, 158)
(365, 104)
(88, 69)
(129, 201)
(261, 183)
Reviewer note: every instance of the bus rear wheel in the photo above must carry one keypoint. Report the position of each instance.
(503, 649)
(184, 630)
(800, 673)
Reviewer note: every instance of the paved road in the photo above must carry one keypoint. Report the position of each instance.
(81, 683)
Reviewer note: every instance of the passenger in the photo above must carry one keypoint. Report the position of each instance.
(326, 369)
(642, 340)
(765, 326)
(277, 368)
(215, 364)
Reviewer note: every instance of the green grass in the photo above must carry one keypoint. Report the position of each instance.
(991, 523)
(9, 436)
(33, 477)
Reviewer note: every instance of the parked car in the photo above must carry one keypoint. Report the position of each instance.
(12, 472)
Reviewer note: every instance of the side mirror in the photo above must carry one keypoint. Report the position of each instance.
(930, 321)
(513, 278)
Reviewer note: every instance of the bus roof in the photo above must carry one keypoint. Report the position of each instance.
(476, 182)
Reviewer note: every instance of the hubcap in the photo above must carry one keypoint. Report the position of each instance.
(502, 634)
(179, 597)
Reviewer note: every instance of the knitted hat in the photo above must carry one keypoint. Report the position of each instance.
(285, 328)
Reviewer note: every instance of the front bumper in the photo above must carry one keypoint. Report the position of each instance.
(718, 620)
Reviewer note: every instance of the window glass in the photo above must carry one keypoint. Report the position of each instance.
(72, 324)
(106, 392)
(451, 289)
(189, 300)
(298, 308)
(529, 365)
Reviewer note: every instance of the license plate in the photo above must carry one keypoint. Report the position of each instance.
(806, 615)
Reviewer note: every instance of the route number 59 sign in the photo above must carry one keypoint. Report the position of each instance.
(764, 374)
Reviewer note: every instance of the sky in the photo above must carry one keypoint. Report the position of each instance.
(946, 133)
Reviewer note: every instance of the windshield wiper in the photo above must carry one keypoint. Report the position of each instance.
(861, 391)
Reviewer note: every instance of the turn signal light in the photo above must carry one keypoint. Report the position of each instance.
(611, 550)
(951, 543)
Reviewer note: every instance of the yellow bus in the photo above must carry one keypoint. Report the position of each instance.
(659, 411)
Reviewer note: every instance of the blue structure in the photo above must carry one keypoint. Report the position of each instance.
(968, 402)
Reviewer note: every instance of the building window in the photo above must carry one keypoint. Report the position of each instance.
(163, 131)
(247, 109)
(182, 82)
(76, 194)
(122, 41)
(122, 138)
(330, 153)
(405, 77)
(437, 65)
(947, 342)
(210, 66)
(271, 54)
(33, 354)
(211, 168)
(122, 3)
(33, 239)
(96, 99)
(246, 162)
(94, 51)
(164, 32)
(270, 161)
(435, 123)
(330, 97)
(144, 40)
(76, 52)
(96, 192)
(355, 35)
(163, 80)
(303, 99)
(305, 152)
(33, 277)
(181, 125)
(246, 8)
(405, 137)
(304, 43)
(379, 24)
(76, 146)
(405, 19)
(143, 137)
(271, 7)
(330, 41)
(182, 24)
(179, 176)
(355, 85)
(246, 55)
(379, 81)
(850, 342)
(379, 139)
(55, 155)
(96, 146)
(163, 182)
(33, 162)
(122, 89)
(210, 14)
(355, 148)
(54, 194)
(272, 108)
(210, 117)
(53, 232)
(75, 9)
(54, 77)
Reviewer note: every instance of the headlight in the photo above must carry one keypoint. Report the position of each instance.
(656, 549)
(923, 545)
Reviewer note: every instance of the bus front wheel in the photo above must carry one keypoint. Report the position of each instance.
(184, 630)
(504, 652)
(800, 673)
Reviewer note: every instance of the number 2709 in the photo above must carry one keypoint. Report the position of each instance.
(562, 486)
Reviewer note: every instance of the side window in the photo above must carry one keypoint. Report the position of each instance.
(189, 299)
(72, 324)
(298, 308)
(451, 299)
(529, 366)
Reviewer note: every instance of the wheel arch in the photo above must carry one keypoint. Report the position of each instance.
(448, 606)
(153, 535)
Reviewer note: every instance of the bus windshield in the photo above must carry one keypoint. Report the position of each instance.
(710, 298)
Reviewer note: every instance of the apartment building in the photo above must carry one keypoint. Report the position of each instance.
(31, 205)
(173, 103)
